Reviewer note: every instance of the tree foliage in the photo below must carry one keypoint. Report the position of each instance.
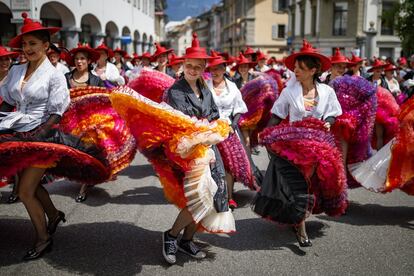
(402, 15)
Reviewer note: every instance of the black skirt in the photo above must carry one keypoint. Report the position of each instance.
(284, 196)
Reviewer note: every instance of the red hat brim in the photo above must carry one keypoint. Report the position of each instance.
(175, 62)
(93, 55)
(325, 61)
(108, 51)
(157, 54)
(216, 62)
(16, 42)
(377, 67)
(10, 54)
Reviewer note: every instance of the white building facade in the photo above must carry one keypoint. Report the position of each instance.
(128, 24)
(352, 25)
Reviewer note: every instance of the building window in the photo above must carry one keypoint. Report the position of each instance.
(314, 16)
(387, 24)
(279, 5)
(281, 31)
(278, 32)
(283, 5)
(340, 18)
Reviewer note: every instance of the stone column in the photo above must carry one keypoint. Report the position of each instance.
(71, 37)
(98, 39)
(371, 42)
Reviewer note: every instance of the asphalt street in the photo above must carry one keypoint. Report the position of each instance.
(117, 231)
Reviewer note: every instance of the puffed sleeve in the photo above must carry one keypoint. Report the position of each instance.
(239, 105)
(281, 106)
(113, 74)
(5, 90)
(59, 97)
(333, 108)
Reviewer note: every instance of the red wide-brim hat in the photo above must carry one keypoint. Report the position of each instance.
(243, 60)
(160, 50)
(93, 55)
(307, 50)
(260, 55)
(218, 60)
(119, 50)
(105, 48)
(270, 60)
(30, 26)
(339, 58)
(146, 55)
(390, 67)
(249, 51)
(195, 51)
(378, 64)
(135, 56)
(173, 60)
(354, 60)
(5, 53)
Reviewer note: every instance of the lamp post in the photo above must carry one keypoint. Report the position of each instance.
(371, 34)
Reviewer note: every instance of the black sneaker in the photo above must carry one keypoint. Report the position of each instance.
(169, 248)
(189, 248)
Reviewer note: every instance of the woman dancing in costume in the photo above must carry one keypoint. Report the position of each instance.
(191, 96)
(29, 140)
(178, 147)
(231, 106)
(305, 173)
(82, 58)
(161, 57)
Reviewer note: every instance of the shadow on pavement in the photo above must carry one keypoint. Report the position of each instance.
(258, 234)
(138, 171)
(147, 195)
(103, 248)
(375, 214)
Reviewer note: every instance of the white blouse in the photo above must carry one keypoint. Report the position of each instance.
(230, 101)
(44, 94)
(111, 73)
(291, 103)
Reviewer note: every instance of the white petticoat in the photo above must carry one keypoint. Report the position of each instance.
(372, 173)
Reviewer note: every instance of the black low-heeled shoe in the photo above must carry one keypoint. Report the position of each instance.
(39, 250)
(303, 241)
(80, 198)
(52, 224)
(12, 198)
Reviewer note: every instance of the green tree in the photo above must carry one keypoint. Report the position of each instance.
(402, 17)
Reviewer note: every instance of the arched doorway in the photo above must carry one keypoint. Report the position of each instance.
(112, 33)
(55, 14)
(91, 29)
(137, 41)
(126, 40)
(7, 30)
(144, 43)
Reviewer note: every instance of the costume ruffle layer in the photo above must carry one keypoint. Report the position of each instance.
(401, 171)
(92, 117)
(312, 149)
(151, 84)
(259, 95)
(387, 115)
(236, 161)
(63, 155)
(89, 123)
(355, 126)
(177, 147)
